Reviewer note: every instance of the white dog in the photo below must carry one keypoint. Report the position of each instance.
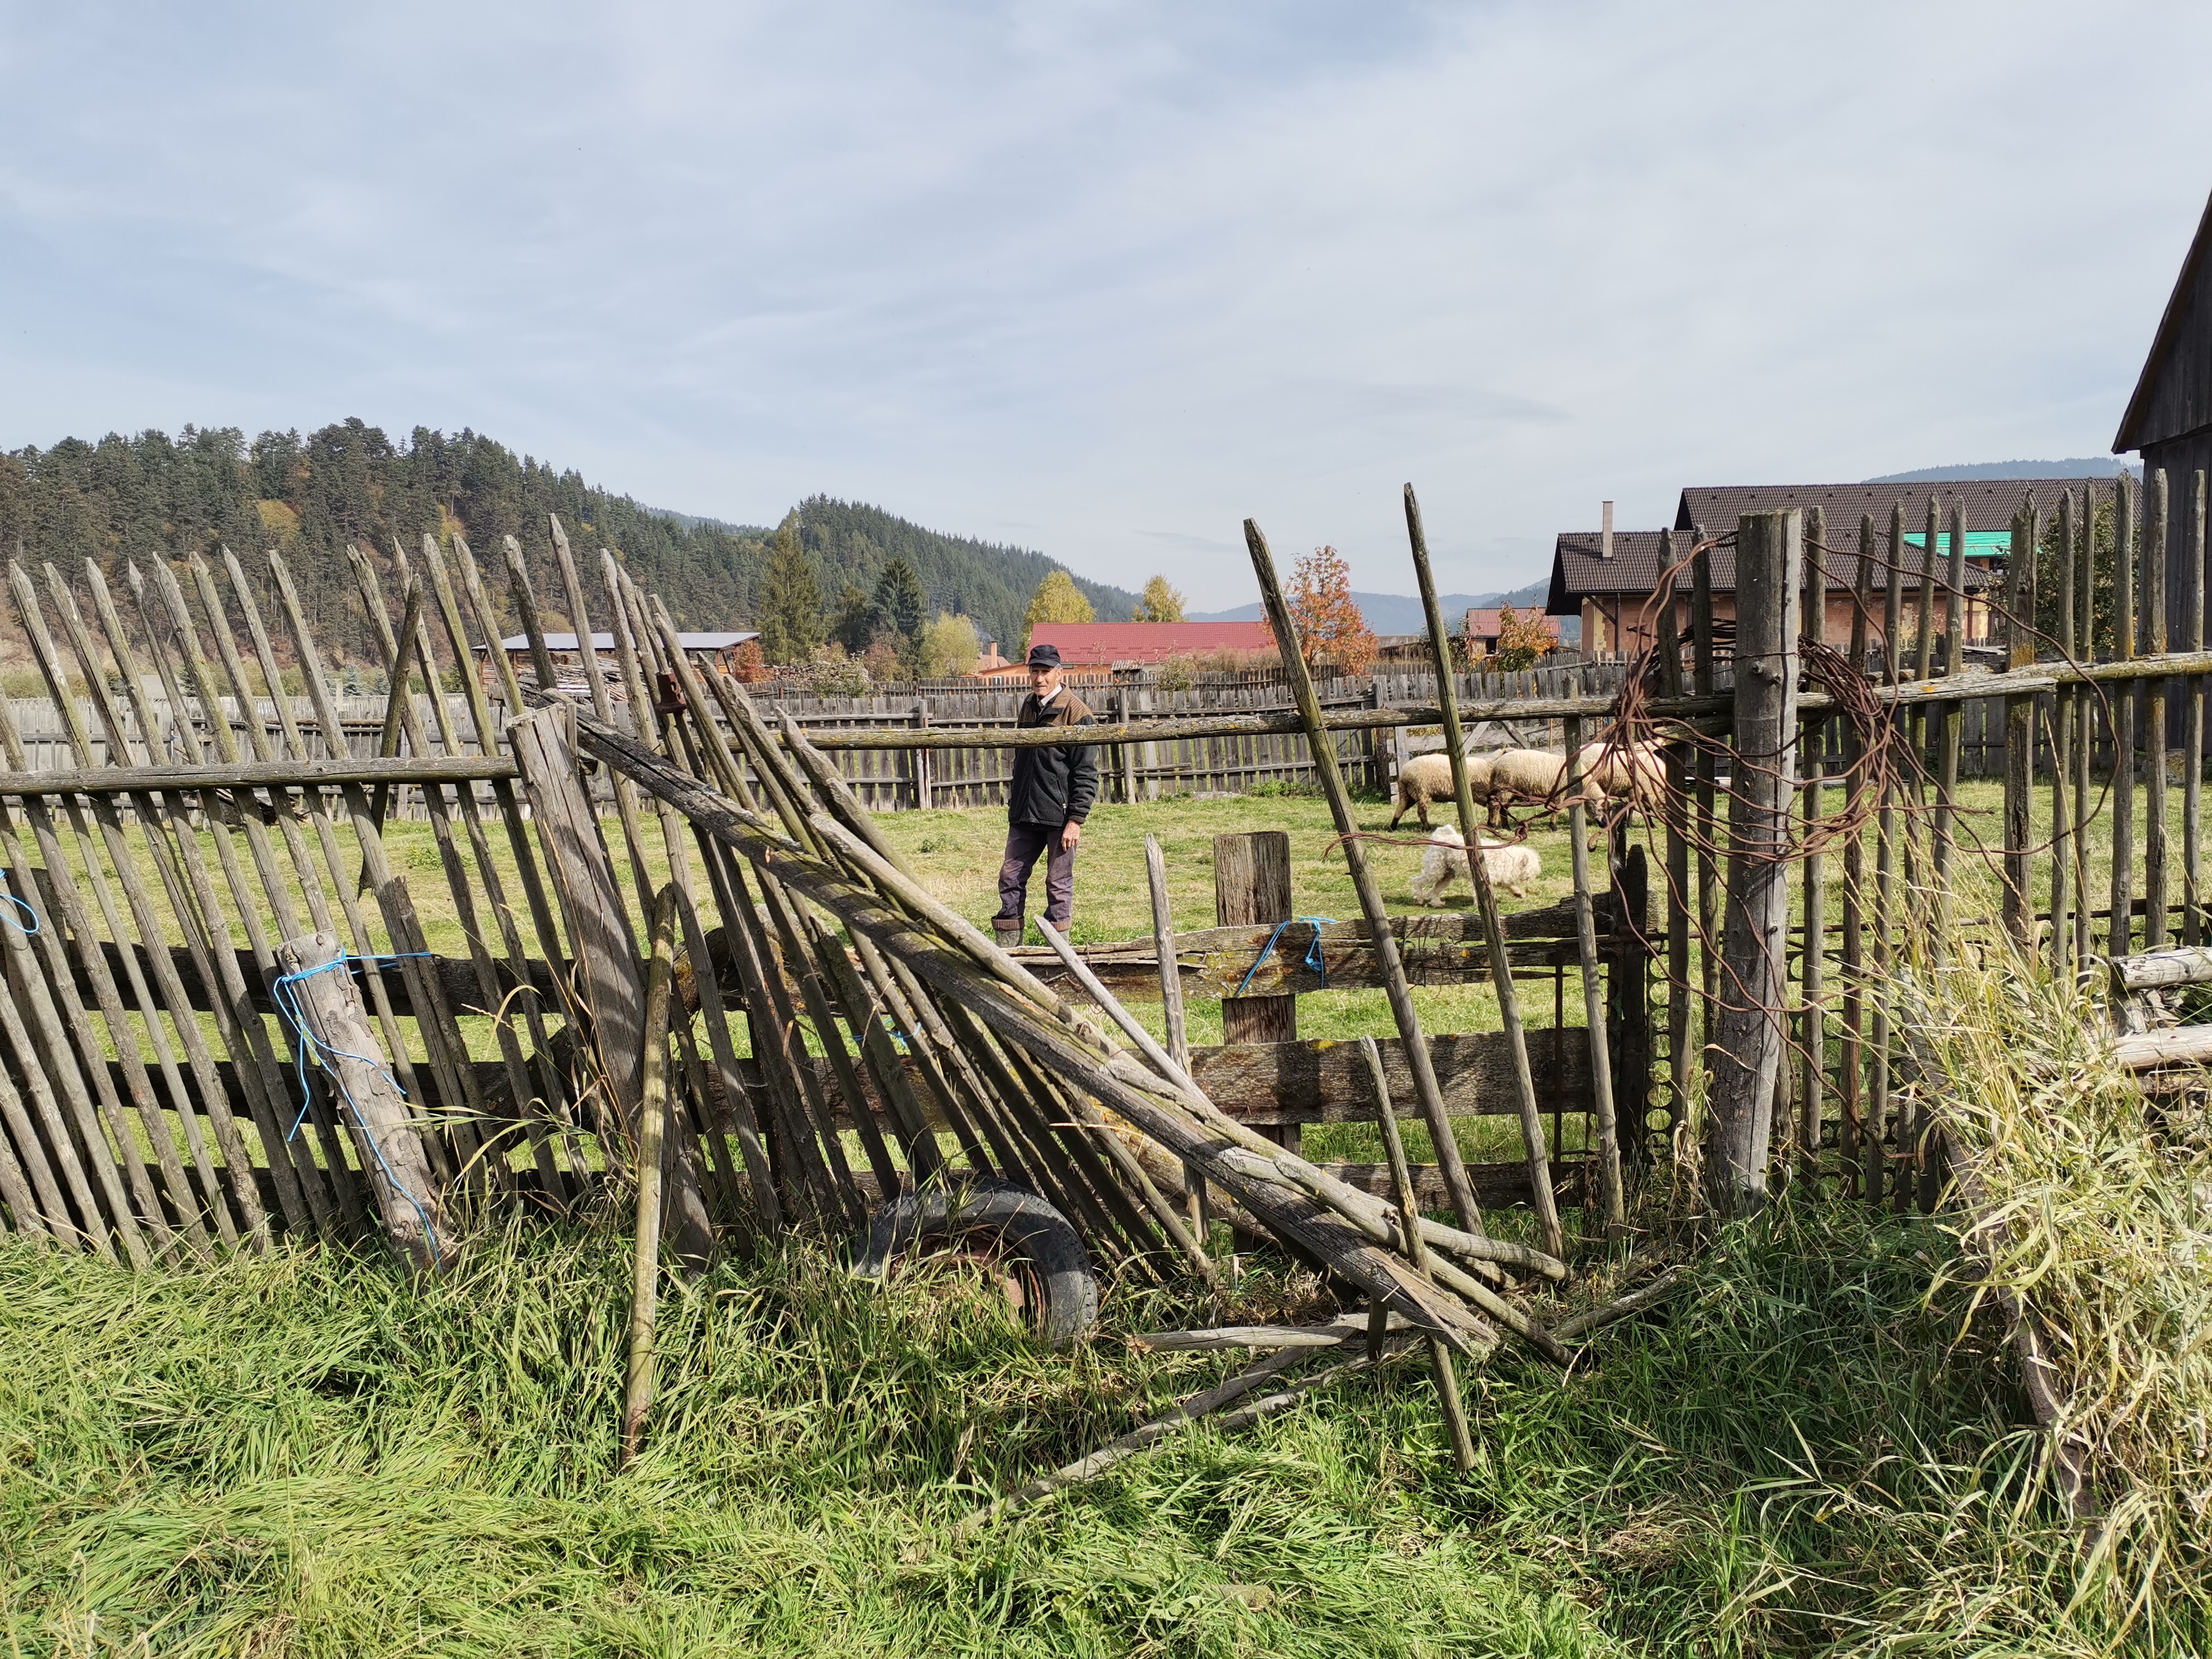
(1511, 865)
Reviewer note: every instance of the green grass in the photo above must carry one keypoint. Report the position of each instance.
(1808, 1453)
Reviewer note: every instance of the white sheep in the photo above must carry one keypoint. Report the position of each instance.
(1511, 865)
(1538, 776)
(1634, 773)
(1428, 777)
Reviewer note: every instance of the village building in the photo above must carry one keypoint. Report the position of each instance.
(2169, 421)
(1607, 577)
(1094, 651)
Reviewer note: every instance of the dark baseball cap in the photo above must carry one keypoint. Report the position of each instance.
(1044, 656)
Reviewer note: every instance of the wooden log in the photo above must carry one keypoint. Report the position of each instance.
(2018, 909)
(1682, 1002)
(330, 1021)
(1709, 886)
(1219, 1338)
(1812, 1028)
(653, 1129)
(1850, 1072)
(1178, 1039)
(1768, 549)
(1611, 1202)
(2156, 736)
(1409, 1229)
(1252, 886)
(1621, 1307)
(2192, 767)
(2085, 728)
(2121, 938)
(2063, 891)
(1470, 828)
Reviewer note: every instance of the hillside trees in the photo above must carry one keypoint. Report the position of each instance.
(790, 601)
(948, 647)
(1057, 599)
(1160, 603)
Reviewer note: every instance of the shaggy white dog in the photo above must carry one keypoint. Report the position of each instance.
(1510, 864)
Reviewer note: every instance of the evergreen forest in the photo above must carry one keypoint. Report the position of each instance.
(154, 496)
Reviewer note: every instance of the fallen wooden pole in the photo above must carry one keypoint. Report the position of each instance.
(653, 1118)
(1409, 1216)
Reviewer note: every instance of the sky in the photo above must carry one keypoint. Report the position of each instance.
(1107, 279)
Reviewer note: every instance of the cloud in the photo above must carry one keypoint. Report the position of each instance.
(1117, 275)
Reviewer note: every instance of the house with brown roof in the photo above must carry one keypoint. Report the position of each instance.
(1608, 577)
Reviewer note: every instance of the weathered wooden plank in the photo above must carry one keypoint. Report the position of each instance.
(282, 775)
(1325, 1081)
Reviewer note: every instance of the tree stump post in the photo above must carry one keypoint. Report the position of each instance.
(1753, 979)
(332, 1021)
(1252, 889)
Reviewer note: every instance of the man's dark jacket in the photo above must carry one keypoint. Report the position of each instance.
(1053, 786)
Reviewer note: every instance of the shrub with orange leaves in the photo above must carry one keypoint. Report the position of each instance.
(1522, 639)
(1330, 628)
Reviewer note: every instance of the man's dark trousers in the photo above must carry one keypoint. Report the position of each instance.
(1024, 842)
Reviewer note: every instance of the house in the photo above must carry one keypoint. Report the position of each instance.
(1483, 626)
(2169, 421)
(1607, 577)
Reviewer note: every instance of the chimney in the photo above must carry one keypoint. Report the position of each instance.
(1605, 533)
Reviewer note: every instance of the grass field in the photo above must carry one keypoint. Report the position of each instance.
(1809, 1453)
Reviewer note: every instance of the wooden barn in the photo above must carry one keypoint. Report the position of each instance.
(2169, 419)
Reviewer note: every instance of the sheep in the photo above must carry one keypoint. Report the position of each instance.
(1508, 863)
(1538, 776)
(1635, 773)
(1428, 777)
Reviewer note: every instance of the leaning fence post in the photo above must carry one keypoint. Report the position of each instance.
(1755, 936)
(2020, 733)
(652, 1119)
(323, 1005)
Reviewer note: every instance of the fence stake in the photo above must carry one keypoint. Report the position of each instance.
(2020, 731)
(653, 1118)
(2120, 934)
(2062, 752)
(1813, 965)
(1453, 1166)
(2192, 776)
(1850, 1132)
(2155, 736)
(1493, 929)
(1680, 1004)
(1178, 1044)
(1768, 549)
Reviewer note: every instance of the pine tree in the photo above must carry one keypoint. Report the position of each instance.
(790, 600)
(853, 622)
(1326, 614)
(1161, 603)
(898, 599)
(1058, 600)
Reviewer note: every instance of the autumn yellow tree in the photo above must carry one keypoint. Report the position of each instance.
(1522, 639)
(1058, 600)
(1161, 603)
(1326, 617)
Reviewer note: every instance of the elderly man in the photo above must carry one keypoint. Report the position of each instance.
(1052, 794)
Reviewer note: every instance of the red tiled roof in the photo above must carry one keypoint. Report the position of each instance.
(1101, 645)
(1483, 624)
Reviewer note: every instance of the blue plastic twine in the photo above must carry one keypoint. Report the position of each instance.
(288, 1005)
(21, 904)
(1313, 956)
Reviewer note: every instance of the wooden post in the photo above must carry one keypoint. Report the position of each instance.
(2085, 727)
(1680, 1006)
(1769, 546)
(1851, 1143)
(1493, 927)
(2192, 775)
(1702, 678)
(919, 760)
(326, 1007)
(1178, 1043)
(2062, 757)
(1379, 919)
(652, 1119)
(1252, 889)
(2155, 736)
(2020, 731)
(1813, 962)
(1417, 1252)
(2120, 935)
(1611, 1203)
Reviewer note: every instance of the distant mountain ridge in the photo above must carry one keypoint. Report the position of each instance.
(2096, 466)
(1401, 613)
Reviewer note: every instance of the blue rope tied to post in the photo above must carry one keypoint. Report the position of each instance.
(1313, 956)
(307, 1043)
(23, 905)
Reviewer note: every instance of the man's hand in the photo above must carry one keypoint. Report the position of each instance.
(1070, 833)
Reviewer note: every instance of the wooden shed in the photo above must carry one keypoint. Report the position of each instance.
(2169, 419)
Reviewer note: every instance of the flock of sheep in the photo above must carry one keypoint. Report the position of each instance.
(1630, 778)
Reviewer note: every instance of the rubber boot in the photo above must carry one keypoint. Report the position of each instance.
(1006, 934)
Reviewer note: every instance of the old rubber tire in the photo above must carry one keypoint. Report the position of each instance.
(1011, 1223)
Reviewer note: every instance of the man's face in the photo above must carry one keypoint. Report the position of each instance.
(1043, 681)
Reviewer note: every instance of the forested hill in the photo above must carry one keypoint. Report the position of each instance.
(154, 496)
(984, 579)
